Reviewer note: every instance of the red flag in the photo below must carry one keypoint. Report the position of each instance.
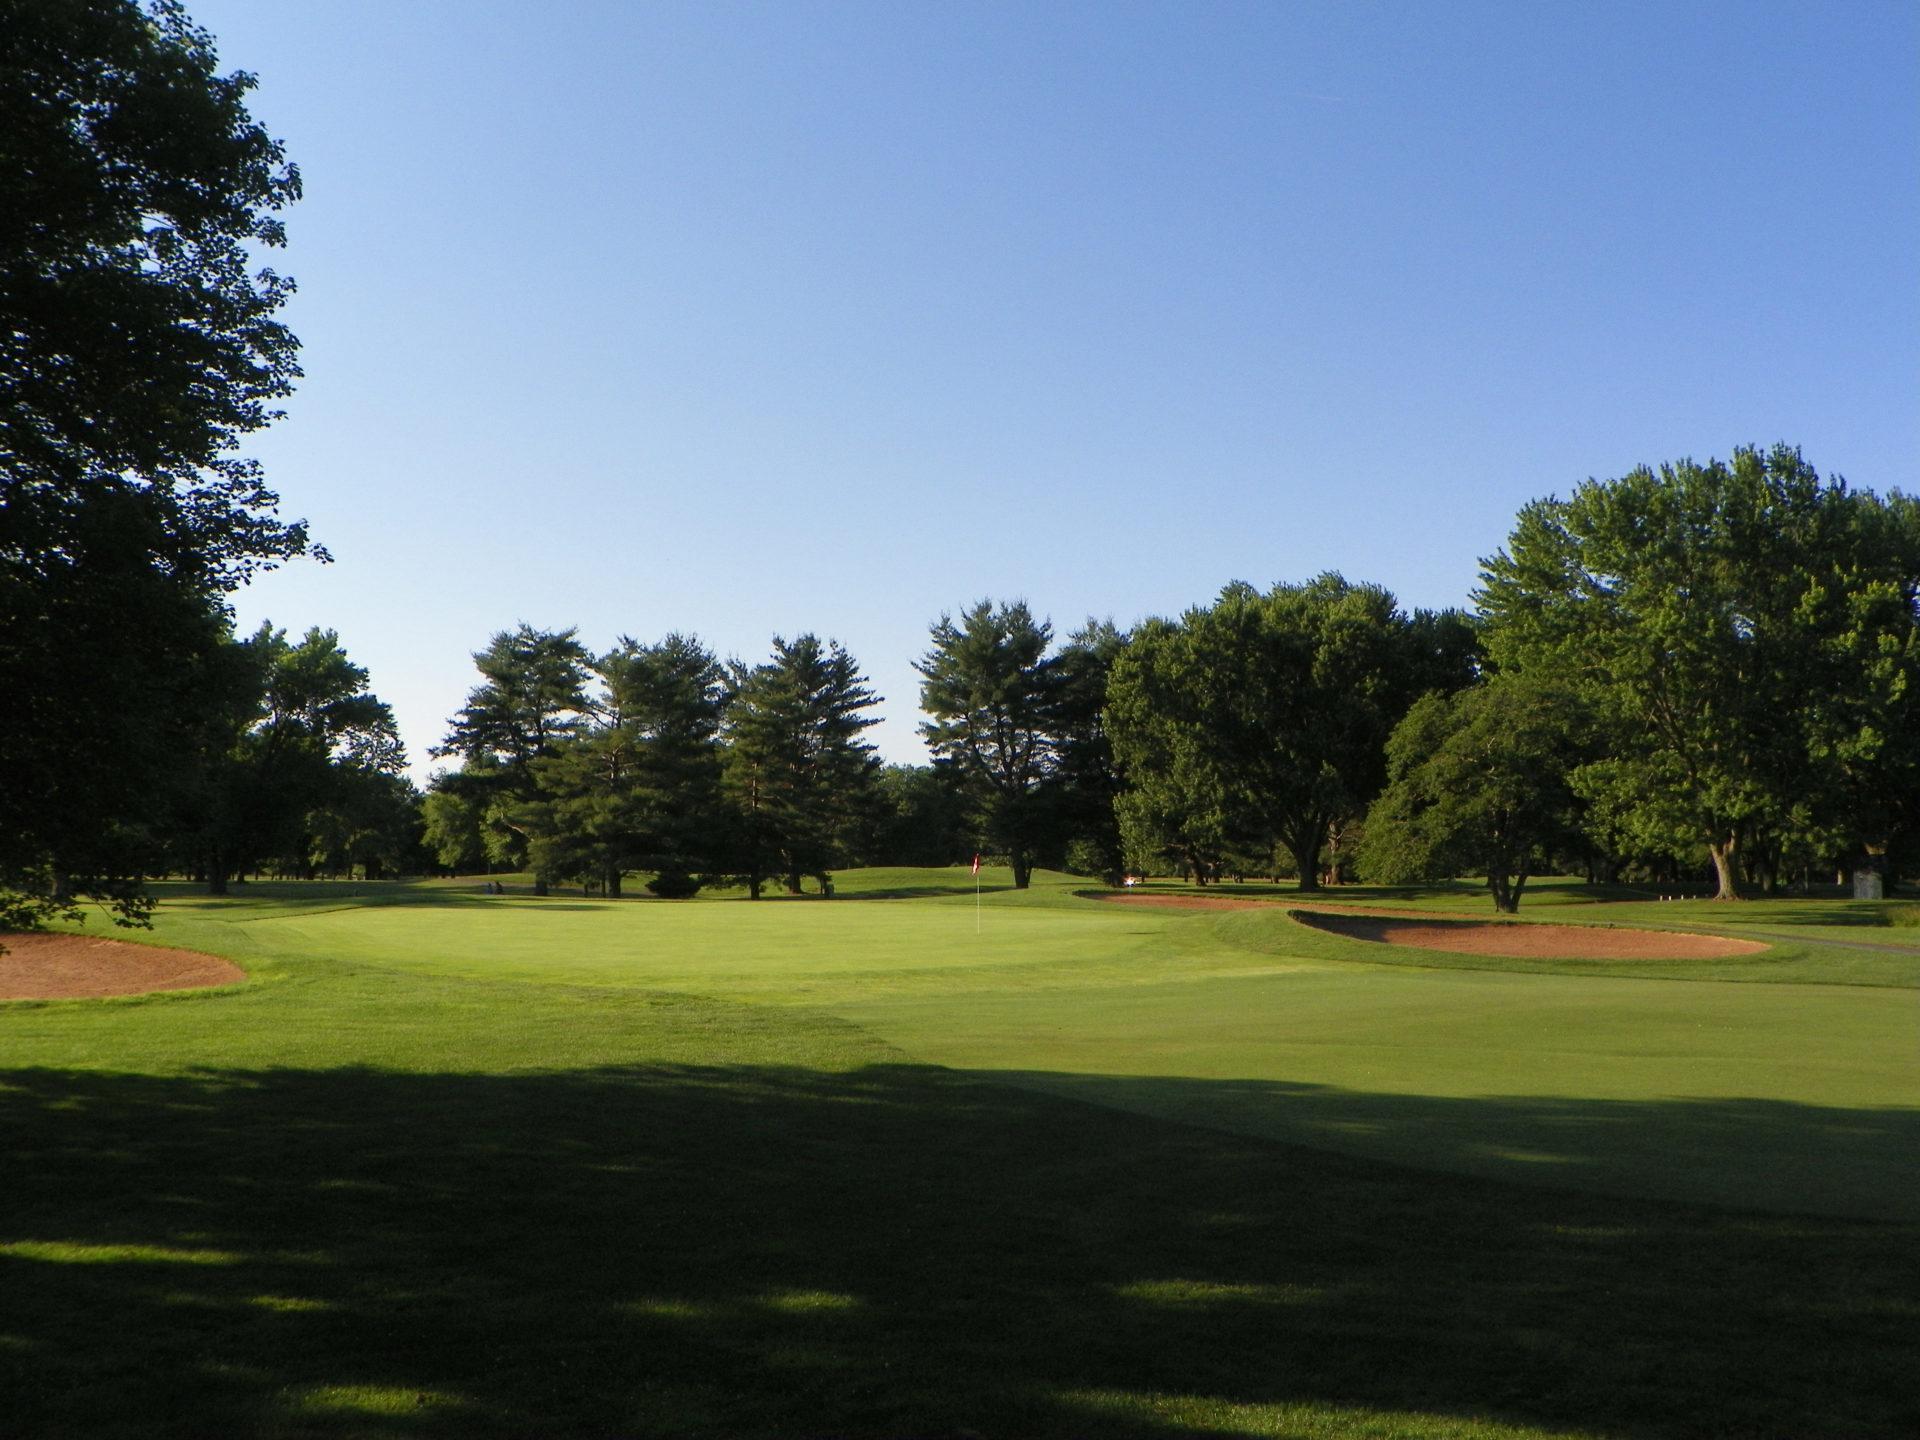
(976, 862)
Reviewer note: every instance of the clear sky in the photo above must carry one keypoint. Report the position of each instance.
(737, 319)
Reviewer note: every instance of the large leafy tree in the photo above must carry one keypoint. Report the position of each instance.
(800, 778)
(317, 740)
(1478, 784)
(1748, 631)
(532, 698)
(990, 690)
(1169, 702)
(1265, 717)
(139, 345)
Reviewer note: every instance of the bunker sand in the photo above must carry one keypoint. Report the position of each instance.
(1482, 937)
(73, 967)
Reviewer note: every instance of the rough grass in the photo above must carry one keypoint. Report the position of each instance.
(459, 1166)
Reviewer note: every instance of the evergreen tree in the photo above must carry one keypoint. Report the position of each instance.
(798, 775)
(637, 788)
(531, 699)
(991, 691)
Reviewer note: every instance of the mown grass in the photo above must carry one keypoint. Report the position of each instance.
(463, 1165)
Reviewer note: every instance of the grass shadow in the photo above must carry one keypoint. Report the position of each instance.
(749, 1250)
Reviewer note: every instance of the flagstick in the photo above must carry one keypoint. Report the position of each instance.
(976, 900)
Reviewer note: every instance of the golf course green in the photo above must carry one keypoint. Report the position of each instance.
(915, 1162)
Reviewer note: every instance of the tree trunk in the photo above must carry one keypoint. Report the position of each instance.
(1725, 869)
(1306, 842)
(540, 885)
(1022, 868)
(613, 883)
(753, 887)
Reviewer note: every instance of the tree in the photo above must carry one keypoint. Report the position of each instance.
(1088, 778)
(531, 698)
(920, 819)
(1478, 783)
(638, 788)
(1168, 700)
(1747, 631)
(1265, 717)
(315, 739)
(138, 347)
(800, 777)
(990, 689)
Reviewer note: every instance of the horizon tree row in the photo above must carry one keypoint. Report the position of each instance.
(662, 760)
(656, 759)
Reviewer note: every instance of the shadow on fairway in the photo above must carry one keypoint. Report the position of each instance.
(916, 892)
(1769, 1155)
(896, 1251)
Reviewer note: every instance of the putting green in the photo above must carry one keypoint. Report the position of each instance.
(1781, 1096)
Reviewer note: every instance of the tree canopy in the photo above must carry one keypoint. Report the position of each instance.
(1264, 717)
(1749, 631)
(1478, 785)
(139, 345)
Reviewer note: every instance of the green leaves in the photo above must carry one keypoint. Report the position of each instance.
(1479, 784)
(1265, 717)
(1749, 630)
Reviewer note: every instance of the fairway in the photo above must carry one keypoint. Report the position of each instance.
(453, 1164)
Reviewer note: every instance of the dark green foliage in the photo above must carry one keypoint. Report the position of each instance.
(532, 697)
(1752, 636)
(637, 785)
(919, 818)
(138, 346)
(991, 693)
(1087, 830)
(674, 885)
(136, 336)
(799, 778)
(312, 764)
(1265, 717)
(1479, 785)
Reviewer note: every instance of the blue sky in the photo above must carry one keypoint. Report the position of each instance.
(743, 319)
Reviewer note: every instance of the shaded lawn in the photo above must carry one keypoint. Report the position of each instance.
(683, 1249)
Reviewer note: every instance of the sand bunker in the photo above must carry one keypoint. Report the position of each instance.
(68, 967)
(1539, 942)
(1480, 937)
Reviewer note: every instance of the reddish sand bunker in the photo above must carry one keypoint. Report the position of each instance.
(1481, 937)
(68, 967)
(1540, 942)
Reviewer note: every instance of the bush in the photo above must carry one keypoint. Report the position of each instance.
(674, 885)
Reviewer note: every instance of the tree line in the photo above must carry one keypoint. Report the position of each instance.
(1704, 668)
